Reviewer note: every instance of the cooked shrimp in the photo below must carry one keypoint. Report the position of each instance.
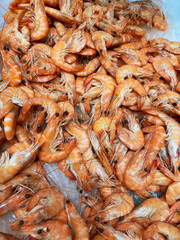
(163, 228)
(108, 85)
(132, 138)
(89, 68)
(51, 229)
(5, 236)
(60, 28)
(102, 40)
(6, 193)
(160, 22)
(10, 123)
(45, 204)
(129, 71)
(154, 209)
(123, 89)
(115, 206)
(165, 69)
(79, 226)
(173, 193)
(10, 166)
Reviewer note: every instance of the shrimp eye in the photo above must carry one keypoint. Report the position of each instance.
(39, 148)
(115, 32)
(155, 100)
(39, 125)
(179, 168)
(161, 78)
(105, 112)
(24, 61)
(81, 191)
(67, 201)
(115, 161)
(88, 30)
(146, 170)
(32, 4)
(21, 222)
(148, 42)
(86, 197)
(96, 219)
(48, 230)
(28, 72)
(154, 72)
(174, 104)
(27, 196)
(142, 82)
(39, 231)
(23, 81)
(142, 148)
(136, 15)
(19, 49)
(29, 175)
(121, 218)
(28, 126)
(83, 99)
(101, 50)
(93, 0)
(156, 43)
(1, 80)
(57, 114)
(4, 47)
(101, 230)
(106, 150)
(65, 113)
(7, 48)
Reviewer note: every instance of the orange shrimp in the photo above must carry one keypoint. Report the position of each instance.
(79, 226)
(173, 193)
(51, 229)
(45, 204)
(133, 138)
(5, 236)
(159, 21)
(10, 123)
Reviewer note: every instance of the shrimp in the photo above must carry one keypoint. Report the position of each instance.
(10, 35)
(159, 21)
(102, 40)
(69, 81)
(122, 164)
(41, 21)
(123, 89)
(173, 193)
(50, 106)
(108, 85)
(60, 28)
(109, 62)
(173, 131)
(134, 177)
(10, 166)
(116, 205)
(79, 226)
(16, 200)
(165, 69)
(6, 193)
(10, 70)
(89, 68)
(154, 209)
(132, 138)
(163, 228)
(172, 47)
(45, 204)
(83, 142)
(129, 71)
(130, 227)
(49, 230)
(60, 16)
(10, 123)
(135, 30)
(60, 51)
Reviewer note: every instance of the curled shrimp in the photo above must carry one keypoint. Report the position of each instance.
(173, 193)
(10, 166)
(51, 229)
(116, 205)
(108, 85)
(77, 223)
(132, 138)
(165, 69)
(154, 209)
(123, 89)
(134, 177)
(163, 228)
(129, 71)
(10, 123)
(45, 204)
(159, 21)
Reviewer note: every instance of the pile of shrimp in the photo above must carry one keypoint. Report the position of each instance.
(82, 86)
